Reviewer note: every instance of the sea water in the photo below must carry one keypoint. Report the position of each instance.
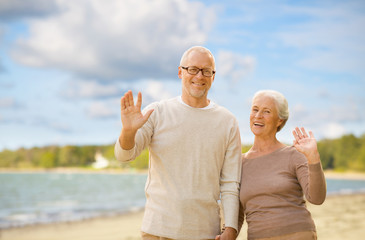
(32, 198)
(37, 198)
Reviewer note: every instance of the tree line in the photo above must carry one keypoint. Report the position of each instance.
(341, 154)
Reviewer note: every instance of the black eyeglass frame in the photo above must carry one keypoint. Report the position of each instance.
(200, 69)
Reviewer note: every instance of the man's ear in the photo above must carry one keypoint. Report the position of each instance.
(180, 73)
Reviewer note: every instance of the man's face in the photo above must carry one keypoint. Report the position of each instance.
(196, 86)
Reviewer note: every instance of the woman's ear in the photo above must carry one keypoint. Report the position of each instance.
(279, 122)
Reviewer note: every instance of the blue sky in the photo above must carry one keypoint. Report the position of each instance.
(65, 64)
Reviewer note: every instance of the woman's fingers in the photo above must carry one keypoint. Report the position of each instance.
(300, 133)
(295, 134)
(304, 133)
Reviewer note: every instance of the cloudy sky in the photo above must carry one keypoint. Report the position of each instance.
(65, 64)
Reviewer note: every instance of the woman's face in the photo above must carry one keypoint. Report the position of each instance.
(264, 117)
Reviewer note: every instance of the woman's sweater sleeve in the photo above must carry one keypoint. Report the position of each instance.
(311, 179)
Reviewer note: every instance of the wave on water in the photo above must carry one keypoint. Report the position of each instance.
(41, 198)
(24, 219)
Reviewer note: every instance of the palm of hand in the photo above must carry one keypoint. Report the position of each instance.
(303, 142)
(306, 145)
(132, 118)
(131, 115)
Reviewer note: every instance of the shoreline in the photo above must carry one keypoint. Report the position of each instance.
(138, 211)
(344, 175)
(75, 170)
(330, 174)
(339, 217)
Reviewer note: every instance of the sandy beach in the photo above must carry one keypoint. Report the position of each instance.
(340, 217)
(124, 227)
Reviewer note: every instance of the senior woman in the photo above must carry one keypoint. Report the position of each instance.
(276, 176)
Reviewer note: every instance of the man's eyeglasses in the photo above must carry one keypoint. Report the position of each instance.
(207, 72)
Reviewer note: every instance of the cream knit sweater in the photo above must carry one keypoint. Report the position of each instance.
(195, 161)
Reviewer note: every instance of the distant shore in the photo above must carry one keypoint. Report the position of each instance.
(74, 170)
(344, 175)
(328, 173)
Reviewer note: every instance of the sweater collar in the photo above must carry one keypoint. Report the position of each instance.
(211, 104)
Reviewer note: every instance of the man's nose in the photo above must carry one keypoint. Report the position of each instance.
(200, 73)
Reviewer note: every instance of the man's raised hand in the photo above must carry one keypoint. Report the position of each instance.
(131, 115)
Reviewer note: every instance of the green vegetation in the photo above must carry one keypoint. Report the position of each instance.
(342, 154)
(345, 153)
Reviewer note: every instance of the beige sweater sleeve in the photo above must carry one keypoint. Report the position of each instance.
(143, 138)
(230, 178)
(241, 218)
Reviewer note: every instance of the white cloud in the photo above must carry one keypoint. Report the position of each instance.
(102, 110)
(345, 111)
(298, 112)
(7, 102)
(332, 130)
(60, 127)
(115, 39)
(156, 91)
(89, 89)
(234, 66)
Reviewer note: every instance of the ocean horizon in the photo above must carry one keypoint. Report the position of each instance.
(43, 197)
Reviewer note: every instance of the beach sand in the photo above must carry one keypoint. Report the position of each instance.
(340, 217)
(123, 227)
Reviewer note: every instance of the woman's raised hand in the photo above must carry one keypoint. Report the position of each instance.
(306, 144)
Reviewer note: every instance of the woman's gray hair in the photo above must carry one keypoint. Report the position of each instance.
(196, 49)
(280, 102)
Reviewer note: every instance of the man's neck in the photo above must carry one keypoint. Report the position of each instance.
(196, 102)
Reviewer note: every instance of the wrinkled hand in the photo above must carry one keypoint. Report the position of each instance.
(228, 234)
(306, 144)
(131, 115)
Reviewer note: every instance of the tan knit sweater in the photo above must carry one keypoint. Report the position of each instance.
(271, 194)
(195, 156)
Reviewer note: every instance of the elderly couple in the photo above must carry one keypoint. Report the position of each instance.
(195, 161)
